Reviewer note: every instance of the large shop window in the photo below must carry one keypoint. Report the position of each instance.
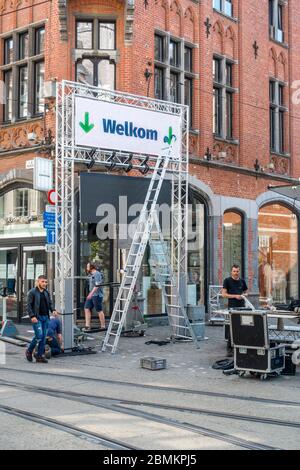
(151, 290)
(197, 251)
(21, 213)
(277, 253)
(232, 241)
(99, 252)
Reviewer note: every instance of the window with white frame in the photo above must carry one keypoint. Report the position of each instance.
(173, 71)
(223, 94)
(96, 52)
(224, 6)
(277, 117)
(23, 72)
(276, 12)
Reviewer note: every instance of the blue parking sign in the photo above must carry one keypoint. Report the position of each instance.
(51, 236)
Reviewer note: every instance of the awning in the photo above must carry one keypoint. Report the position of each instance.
(290, 191)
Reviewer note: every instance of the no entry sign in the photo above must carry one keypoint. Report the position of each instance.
(52, 197)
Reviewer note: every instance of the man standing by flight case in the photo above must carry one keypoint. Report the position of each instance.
(234, 288)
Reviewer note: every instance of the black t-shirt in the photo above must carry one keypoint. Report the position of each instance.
(44, 309)
(233, 287)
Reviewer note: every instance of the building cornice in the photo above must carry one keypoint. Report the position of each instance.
(241, 170)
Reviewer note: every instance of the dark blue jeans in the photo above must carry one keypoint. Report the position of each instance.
(54, 345)
(40, 330)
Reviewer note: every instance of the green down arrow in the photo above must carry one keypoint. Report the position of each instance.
(86, 126)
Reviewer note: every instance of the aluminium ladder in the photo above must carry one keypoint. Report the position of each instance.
(136, 254)
(181, 328)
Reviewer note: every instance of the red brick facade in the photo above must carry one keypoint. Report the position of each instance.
(232, 175)
(230, 37)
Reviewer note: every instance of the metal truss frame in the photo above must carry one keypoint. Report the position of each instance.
(67, 155)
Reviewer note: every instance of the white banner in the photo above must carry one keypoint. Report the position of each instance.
(106, 125)
(43, 174)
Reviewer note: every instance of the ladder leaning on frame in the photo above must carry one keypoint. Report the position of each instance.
(147, 227)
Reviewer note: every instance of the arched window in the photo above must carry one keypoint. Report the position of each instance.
(232, 241)
(277, 253)
(197, 252)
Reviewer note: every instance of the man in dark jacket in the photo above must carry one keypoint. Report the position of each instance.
(39, 304)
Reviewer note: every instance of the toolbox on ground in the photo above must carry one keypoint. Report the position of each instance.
(153, 363)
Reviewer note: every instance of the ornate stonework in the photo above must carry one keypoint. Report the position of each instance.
(281, 165)
(15, 136)
(7, 5)
(193, 145)
(225, 152)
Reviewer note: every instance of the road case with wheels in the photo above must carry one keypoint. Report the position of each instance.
(259, 360)
(252, 349)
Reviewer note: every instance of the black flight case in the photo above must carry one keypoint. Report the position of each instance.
(252, 350)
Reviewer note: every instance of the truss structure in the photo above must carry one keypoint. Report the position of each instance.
(68, 154)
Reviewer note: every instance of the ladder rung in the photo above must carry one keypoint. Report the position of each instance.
(173, 306)
(113, 334)
(183, 336)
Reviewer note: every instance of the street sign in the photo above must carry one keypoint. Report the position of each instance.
(49, 216)
(29, 165)
(49, 220)
(50, 208)
(52, 197)
(43, 174)
(49, 225)
(51, 236)
(50, 248)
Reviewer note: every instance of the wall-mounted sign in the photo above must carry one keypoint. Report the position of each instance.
(43, 174)
(107, 125)
(29, 165)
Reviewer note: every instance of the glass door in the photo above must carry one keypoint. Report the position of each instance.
(99, 252)
(34, 265)
(9, 281)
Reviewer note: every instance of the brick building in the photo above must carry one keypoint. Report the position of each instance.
(235, 63)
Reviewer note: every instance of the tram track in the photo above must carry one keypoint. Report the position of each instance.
(210, 394)
(78, 432)
(122, 406)
(219, 414)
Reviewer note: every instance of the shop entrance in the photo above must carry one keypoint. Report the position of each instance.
(20, 265)
(100, 252)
